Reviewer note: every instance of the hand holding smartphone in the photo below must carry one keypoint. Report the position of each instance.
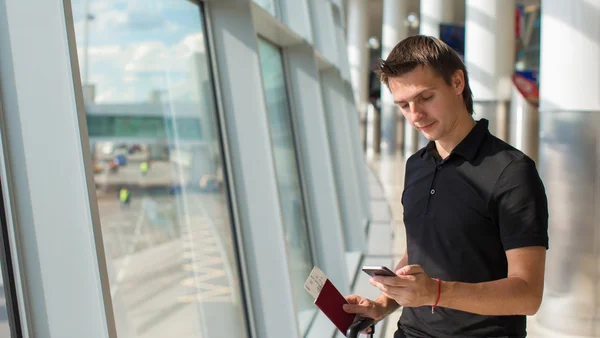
(378, 270)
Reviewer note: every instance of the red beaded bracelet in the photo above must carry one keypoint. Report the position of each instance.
(438, 295)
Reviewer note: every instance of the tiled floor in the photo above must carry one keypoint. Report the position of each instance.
(387, 239)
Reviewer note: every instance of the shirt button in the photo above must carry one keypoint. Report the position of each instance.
(432, 191)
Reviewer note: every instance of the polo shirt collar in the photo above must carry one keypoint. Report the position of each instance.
(468, 147)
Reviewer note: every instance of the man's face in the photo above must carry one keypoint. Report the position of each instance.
(427, 102)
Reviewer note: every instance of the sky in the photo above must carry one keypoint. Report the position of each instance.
(136, 46)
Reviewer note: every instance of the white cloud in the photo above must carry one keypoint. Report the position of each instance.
(115, 95)
(108, 51)
(146, 57)
(99, 78)
(181, 90)
(129, 94)
(109, 21)
(125, 71)
(130, 78)
(156, 56)
(101, 6)
(105, 96)
(106, 21)
(194, 43)
(109, 18)
(128, 74)
(144, 20)
(149, 56)
(172, 27)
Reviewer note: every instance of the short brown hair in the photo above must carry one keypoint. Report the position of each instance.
(420, 50)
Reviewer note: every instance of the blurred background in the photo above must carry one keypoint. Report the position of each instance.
(175, 168)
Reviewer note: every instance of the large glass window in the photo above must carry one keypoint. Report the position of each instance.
(158, 168)
(288, 178)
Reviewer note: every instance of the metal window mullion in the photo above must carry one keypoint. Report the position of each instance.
(355, 169)
(295, 15)
(316, 164)
(345, 167)
(299, 154)
(253, 171)
(250, 316)
(323, 30)
(64, 272)
(16, 298)
(357, 152)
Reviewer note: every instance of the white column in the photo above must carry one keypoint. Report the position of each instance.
(570, 164)
(490, 57)
(433, 14)
(394, 30)
(358, 52)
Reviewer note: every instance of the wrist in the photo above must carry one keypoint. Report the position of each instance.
(386, 305)
(435, 293)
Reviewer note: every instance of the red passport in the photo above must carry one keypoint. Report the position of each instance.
(331, 302)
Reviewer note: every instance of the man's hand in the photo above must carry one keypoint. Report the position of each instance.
(365, 307)
(411, 288)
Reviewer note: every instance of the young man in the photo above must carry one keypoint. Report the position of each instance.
(475, 211)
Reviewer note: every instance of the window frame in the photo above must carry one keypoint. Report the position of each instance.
(9, 251)
(298, 155)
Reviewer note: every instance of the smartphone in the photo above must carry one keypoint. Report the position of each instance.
(378, 270)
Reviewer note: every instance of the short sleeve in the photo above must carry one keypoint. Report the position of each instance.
(520, 206)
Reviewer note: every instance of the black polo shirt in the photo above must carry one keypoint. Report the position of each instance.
(461, 215)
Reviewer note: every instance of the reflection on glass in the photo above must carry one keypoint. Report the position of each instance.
(4, 322)
(288, 179)
(269, 5)
(158, 169)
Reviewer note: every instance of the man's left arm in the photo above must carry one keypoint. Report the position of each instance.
(519, 206)
(520, 209)
(518, 294)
